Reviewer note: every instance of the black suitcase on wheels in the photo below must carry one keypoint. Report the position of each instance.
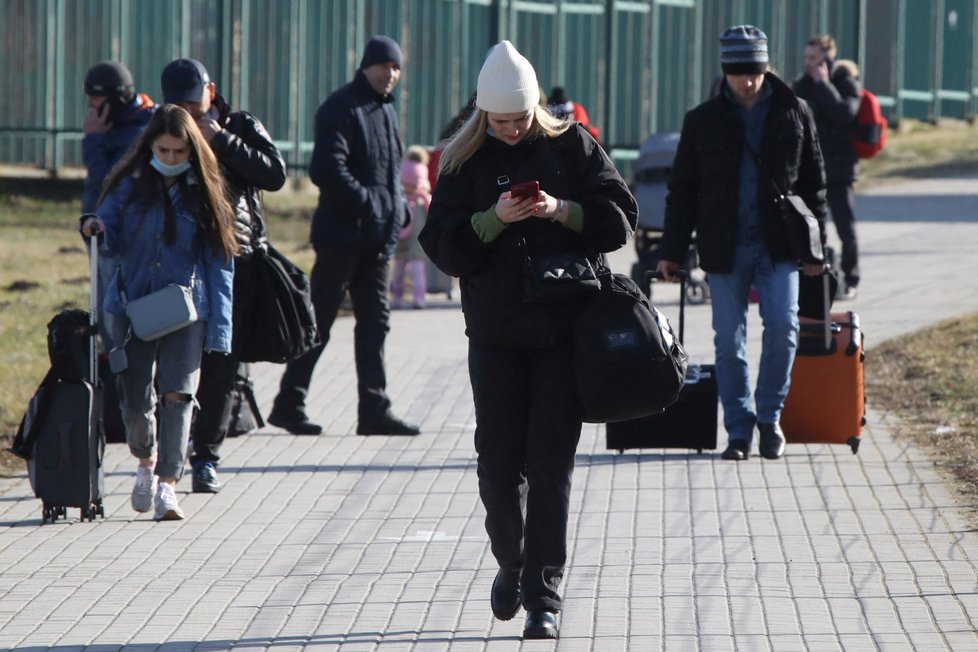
(690, 422)
(65, 465)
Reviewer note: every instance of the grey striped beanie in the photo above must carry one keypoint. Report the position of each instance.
(743, 51)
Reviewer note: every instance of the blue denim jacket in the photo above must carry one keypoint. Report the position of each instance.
(148, 264)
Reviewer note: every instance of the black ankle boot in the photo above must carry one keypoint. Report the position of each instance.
(540, 623)
(505, 597)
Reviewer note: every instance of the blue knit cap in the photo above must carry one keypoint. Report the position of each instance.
(743, 51)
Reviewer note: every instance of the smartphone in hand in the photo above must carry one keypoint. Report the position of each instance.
(525, 190)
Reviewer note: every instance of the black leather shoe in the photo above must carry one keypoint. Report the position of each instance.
(505, 597)
(388, 424)
(205, 479)
(297, 423)
(738, 450)
(771, 445)
(540, 623)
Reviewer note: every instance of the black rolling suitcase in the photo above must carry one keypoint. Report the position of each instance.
(690, 422)
(65, 465)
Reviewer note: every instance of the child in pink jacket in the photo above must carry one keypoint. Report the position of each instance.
(409, 258)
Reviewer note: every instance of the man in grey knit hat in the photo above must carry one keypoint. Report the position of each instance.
(738, 152)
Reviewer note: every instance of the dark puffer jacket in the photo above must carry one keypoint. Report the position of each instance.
(356, 162)
(705, 182)
(571, 166)
(250, 163)
(834, 104)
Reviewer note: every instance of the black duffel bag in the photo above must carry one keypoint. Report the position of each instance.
(628, 362)
(283, 322)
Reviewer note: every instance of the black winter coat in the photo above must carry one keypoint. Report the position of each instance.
(356, 162)
(250, 163)
(571, 166)
(704, 185)
(834, 106)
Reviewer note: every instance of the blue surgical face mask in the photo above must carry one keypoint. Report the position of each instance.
(169, 170)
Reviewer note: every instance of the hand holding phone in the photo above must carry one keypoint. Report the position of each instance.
(525, 190)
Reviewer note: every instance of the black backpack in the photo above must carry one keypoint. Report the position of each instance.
(628, 362)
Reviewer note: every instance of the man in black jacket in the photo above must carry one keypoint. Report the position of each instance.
(833, 95)
(250, 163)
(356, 163)
(737, 153)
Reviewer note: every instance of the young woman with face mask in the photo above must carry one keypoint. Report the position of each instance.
(165, 218)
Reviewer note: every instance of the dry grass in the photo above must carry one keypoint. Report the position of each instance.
(929, 380)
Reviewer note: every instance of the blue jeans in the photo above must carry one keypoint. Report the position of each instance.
(172, 364)
(777, 289)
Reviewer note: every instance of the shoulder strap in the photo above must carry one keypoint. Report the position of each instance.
(762, 168)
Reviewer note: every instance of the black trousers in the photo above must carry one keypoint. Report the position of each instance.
(527, 429)
(366, 276)
(840, 198)
(218, 374)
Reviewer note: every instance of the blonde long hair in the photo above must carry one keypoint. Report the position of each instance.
(472, 134)
(214, 213)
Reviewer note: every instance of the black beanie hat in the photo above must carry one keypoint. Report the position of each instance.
(112, 80)
(743, 51)
(380, 49)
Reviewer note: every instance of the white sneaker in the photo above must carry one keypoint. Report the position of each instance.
(142, 491)
(167, 508)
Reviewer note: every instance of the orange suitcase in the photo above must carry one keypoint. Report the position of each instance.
(826, 401)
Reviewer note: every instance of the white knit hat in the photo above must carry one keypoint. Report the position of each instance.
(507, 82)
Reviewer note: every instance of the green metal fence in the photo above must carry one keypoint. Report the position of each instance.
(636, 65)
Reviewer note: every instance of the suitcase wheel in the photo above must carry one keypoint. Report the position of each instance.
(52, 513)
(854, 444)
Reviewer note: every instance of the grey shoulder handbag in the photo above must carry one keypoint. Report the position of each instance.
(162, 312)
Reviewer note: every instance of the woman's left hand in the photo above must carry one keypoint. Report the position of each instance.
(546, 207)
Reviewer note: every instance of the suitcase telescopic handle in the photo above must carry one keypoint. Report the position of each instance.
(683, 276)
(827, 317)
(93, 298)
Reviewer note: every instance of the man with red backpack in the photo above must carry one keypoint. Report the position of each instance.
(833, 94)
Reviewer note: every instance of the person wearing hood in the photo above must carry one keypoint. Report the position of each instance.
(250, 163)
(116, 117)
(356, 163)
(521, 359)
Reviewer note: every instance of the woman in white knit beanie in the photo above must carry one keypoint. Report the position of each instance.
(521, 364)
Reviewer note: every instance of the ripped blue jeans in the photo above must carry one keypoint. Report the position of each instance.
(169, 364)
